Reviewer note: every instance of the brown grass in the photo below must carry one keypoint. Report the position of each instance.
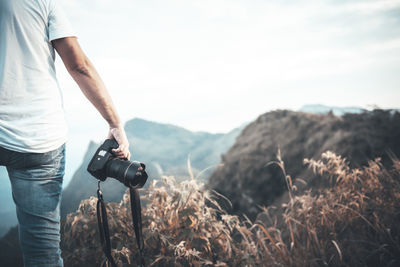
(353, 222)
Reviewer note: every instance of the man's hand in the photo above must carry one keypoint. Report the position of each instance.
(119, 135)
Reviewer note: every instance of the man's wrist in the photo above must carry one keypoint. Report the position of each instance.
(115, 125)
(119, 126)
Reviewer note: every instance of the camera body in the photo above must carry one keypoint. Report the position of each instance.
(104, 164)
(100, 158)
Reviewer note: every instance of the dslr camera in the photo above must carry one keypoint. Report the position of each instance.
(104, 164)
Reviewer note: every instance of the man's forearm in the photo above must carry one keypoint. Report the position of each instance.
(86, 76)
(94, 89)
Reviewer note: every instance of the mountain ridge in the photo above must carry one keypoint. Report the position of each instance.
(164, 148)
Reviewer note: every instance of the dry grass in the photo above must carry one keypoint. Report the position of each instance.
(353, 222)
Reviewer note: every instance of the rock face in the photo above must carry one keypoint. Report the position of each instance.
(247, 179)
(164, 148)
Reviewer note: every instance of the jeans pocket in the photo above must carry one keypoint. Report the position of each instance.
(52, 159)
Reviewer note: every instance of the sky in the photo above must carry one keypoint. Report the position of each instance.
(211, 65)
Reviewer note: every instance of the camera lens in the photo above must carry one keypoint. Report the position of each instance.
(125, 171)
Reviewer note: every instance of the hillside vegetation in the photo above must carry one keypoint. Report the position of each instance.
(353, 221)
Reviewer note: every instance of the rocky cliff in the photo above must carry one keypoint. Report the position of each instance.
(248, 180)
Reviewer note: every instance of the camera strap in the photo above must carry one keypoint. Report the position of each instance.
(104, 229)
(136, 211)
(102, 223)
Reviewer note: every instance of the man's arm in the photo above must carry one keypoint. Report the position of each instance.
(86, 76)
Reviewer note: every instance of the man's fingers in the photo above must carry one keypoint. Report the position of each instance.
(121, 152)
(121, 148)
(117, 150)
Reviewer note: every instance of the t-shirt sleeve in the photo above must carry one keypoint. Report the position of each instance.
(59, 26)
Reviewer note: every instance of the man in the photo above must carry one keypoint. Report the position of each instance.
(32, 123)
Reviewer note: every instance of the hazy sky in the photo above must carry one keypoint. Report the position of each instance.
(211, 65)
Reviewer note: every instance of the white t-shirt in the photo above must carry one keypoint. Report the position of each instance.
(31, 107)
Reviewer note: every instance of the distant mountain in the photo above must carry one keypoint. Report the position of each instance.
(337, 111)
(164, 148)
(7, 211)
(248, 180)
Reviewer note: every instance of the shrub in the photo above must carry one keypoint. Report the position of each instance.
(353, 222)
(183, 225)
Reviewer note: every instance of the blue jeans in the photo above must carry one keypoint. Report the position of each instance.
(36, 181)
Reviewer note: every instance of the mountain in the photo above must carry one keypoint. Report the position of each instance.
(337, 111)
(248, 180)
(164, 148)
(7, 212)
